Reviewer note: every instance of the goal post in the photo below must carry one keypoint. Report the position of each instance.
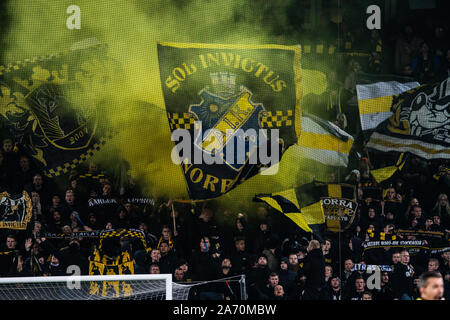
(110, 287)
(98, 287)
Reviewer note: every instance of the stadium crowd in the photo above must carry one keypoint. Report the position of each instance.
(280, 260)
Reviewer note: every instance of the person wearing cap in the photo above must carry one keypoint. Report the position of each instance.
(431, 286)
(92, 222)
(205, 267)
(262, 235)
(257, 276)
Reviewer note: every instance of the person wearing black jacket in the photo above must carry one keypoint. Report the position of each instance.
(240, 257)
(334, 290)
(69, 255)
(286, 276)
(10, 166)
(8, 252)
(242, 230)
(268, 289)
(385, 291)
(54, 266)
(314, 271)
(229, 289)
(257, 277)
(402, 278)
(205, 266)
(140, 262)
(168, 259)
(356, 290)
(19, 269)
(372, 218)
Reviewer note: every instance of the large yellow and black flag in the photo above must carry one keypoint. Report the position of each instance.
(37, 107)
(301, 205)
(419, 123)
(316, 203)
(233, 101)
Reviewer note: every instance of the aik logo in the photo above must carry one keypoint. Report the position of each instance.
(225, 114)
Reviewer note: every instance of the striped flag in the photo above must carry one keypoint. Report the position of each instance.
(375, 101)
(419, 124)
(301, 205)
(323, 141)
(316, 203)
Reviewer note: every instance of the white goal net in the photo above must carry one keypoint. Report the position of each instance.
(103, 287)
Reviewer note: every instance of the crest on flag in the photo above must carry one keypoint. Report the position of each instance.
(340, 210)
(223, 112)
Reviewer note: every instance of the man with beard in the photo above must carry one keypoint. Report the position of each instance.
(257, 277)
(229, 289)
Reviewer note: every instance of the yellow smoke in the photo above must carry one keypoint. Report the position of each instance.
(133, 105)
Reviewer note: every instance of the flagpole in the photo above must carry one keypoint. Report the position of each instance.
(173, 218)
(339, 168)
